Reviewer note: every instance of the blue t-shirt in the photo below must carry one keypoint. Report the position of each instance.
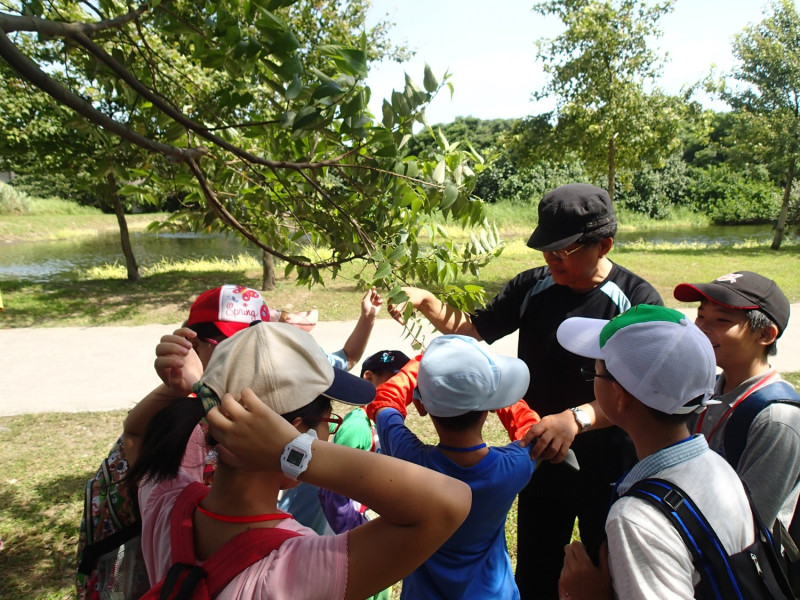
(474, 562)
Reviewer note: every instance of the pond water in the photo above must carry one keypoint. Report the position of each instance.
(52, 260)
(62, 259)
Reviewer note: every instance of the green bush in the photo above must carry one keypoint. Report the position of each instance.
(12, 201)
(732, 198)
(16, 202)
(503, 181)
(654, 192)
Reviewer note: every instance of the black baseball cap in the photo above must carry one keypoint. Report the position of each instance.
(385, 360)
(567, 213)
(744, 290)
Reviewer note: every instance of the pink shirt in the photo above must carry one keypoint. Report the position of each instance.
(309, 566)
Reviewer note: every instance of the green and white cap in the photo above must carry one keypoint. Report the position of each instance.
(655, 353)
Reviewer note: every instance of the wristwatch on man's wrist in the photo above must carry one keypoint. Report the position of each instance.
(297, 454)
(582, 419)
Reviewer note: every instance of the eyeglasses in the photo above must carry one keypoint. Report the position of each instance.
(589, 373)
(334, 421)
(562, 254)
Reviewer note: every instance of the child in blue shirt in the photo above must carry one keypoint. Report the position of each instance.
(456, 382)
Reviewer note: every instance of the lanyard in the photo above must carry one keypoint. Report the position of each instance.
(771, 374)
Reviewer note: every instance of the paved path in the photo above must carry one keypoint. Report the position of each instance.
(72, 369)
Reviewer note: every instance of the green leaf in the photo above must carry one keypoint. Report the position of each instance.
(384, 271)
(294, 88)
(275, 4)
(439, 172)
(307, 116)
(129, 189)
(388, 114)
(327, 90)
(429, 80)
(450, 195)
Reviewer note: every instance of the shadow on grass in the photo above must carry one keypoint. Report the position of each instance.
(40, 537)
(110, 301)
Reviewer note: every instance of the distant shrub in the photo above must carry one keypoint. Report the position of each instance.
(503, 181)
(654, 192)
(12, 201)
(16, 202)
(732, 198)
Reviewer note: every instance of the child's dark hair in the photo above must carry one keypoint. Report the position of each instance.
(670, 419)
(459, 422)
(164, 443)
(758, 320)
(207, 330)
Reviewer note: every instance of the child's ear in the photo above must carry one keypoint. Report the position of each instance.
(621, 397)
(767, 335)
(420, 409)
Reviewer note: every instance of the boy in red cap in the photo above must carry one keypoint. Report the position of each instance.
(756, 425)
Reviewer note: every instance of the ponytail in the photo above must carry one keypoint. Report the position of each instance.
(164, 443)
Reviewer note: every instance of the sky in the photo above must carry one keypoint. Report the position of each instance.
(488, 47)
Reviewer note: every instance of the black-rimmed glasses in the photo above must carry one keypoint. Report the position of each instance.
(589, 373)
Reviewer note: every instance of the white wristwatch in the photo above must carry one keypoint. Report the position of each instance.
(582, 419)
(297, 454)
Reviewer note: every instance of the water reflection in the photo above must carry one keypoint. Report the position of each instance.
(44, 261)
(64, 259)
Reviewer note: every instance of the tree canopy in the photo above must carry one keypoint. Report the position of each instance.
(766, 95)
(601, 75)
(222, 105)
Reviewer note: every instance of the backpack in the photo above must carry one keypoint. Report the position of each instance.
(742, 417)
(734, 442)
(110, 562)
(186, 579)
(755, 573)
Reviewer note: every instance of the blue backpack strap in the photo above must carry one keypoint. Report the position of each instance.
(742, 417)
(708, 554)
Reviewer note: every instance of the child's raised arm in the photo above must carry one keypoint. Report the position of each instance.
(357, 342)
(419, 508)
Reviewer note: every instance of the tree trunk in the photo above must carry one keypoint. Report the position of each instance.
(612, 166)
(780, 225)
(125, 239)
(268, 273)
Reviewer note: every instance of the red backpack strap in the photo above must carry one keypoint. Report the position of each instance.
(185, 578)
(182, 523)
(239, 553)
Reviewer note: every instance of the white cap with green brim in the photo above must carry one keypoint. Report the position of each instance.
(655, 353)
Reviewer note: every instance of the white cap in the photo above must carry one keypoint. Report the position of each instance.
(655, 353)
(457, 376)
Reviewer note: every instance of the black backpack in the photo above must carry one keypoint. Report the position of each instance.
(755, 573)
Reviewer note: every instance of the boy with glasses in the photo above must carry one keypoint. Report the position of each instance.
(652, 370)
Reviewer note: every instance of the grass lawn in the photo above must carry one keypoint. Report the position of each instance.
(47, 461)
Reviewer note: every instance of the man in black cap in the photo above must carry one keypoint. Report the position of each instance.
(756, 425)
(575, 233)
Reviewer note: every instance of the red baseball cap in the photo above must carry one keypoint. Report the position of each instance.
(230, 307)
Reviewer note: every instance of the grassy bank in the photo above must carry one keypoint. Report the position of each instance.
(102, 296)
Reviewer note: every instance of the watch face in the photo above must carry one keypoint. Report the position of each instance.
(295, 457)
